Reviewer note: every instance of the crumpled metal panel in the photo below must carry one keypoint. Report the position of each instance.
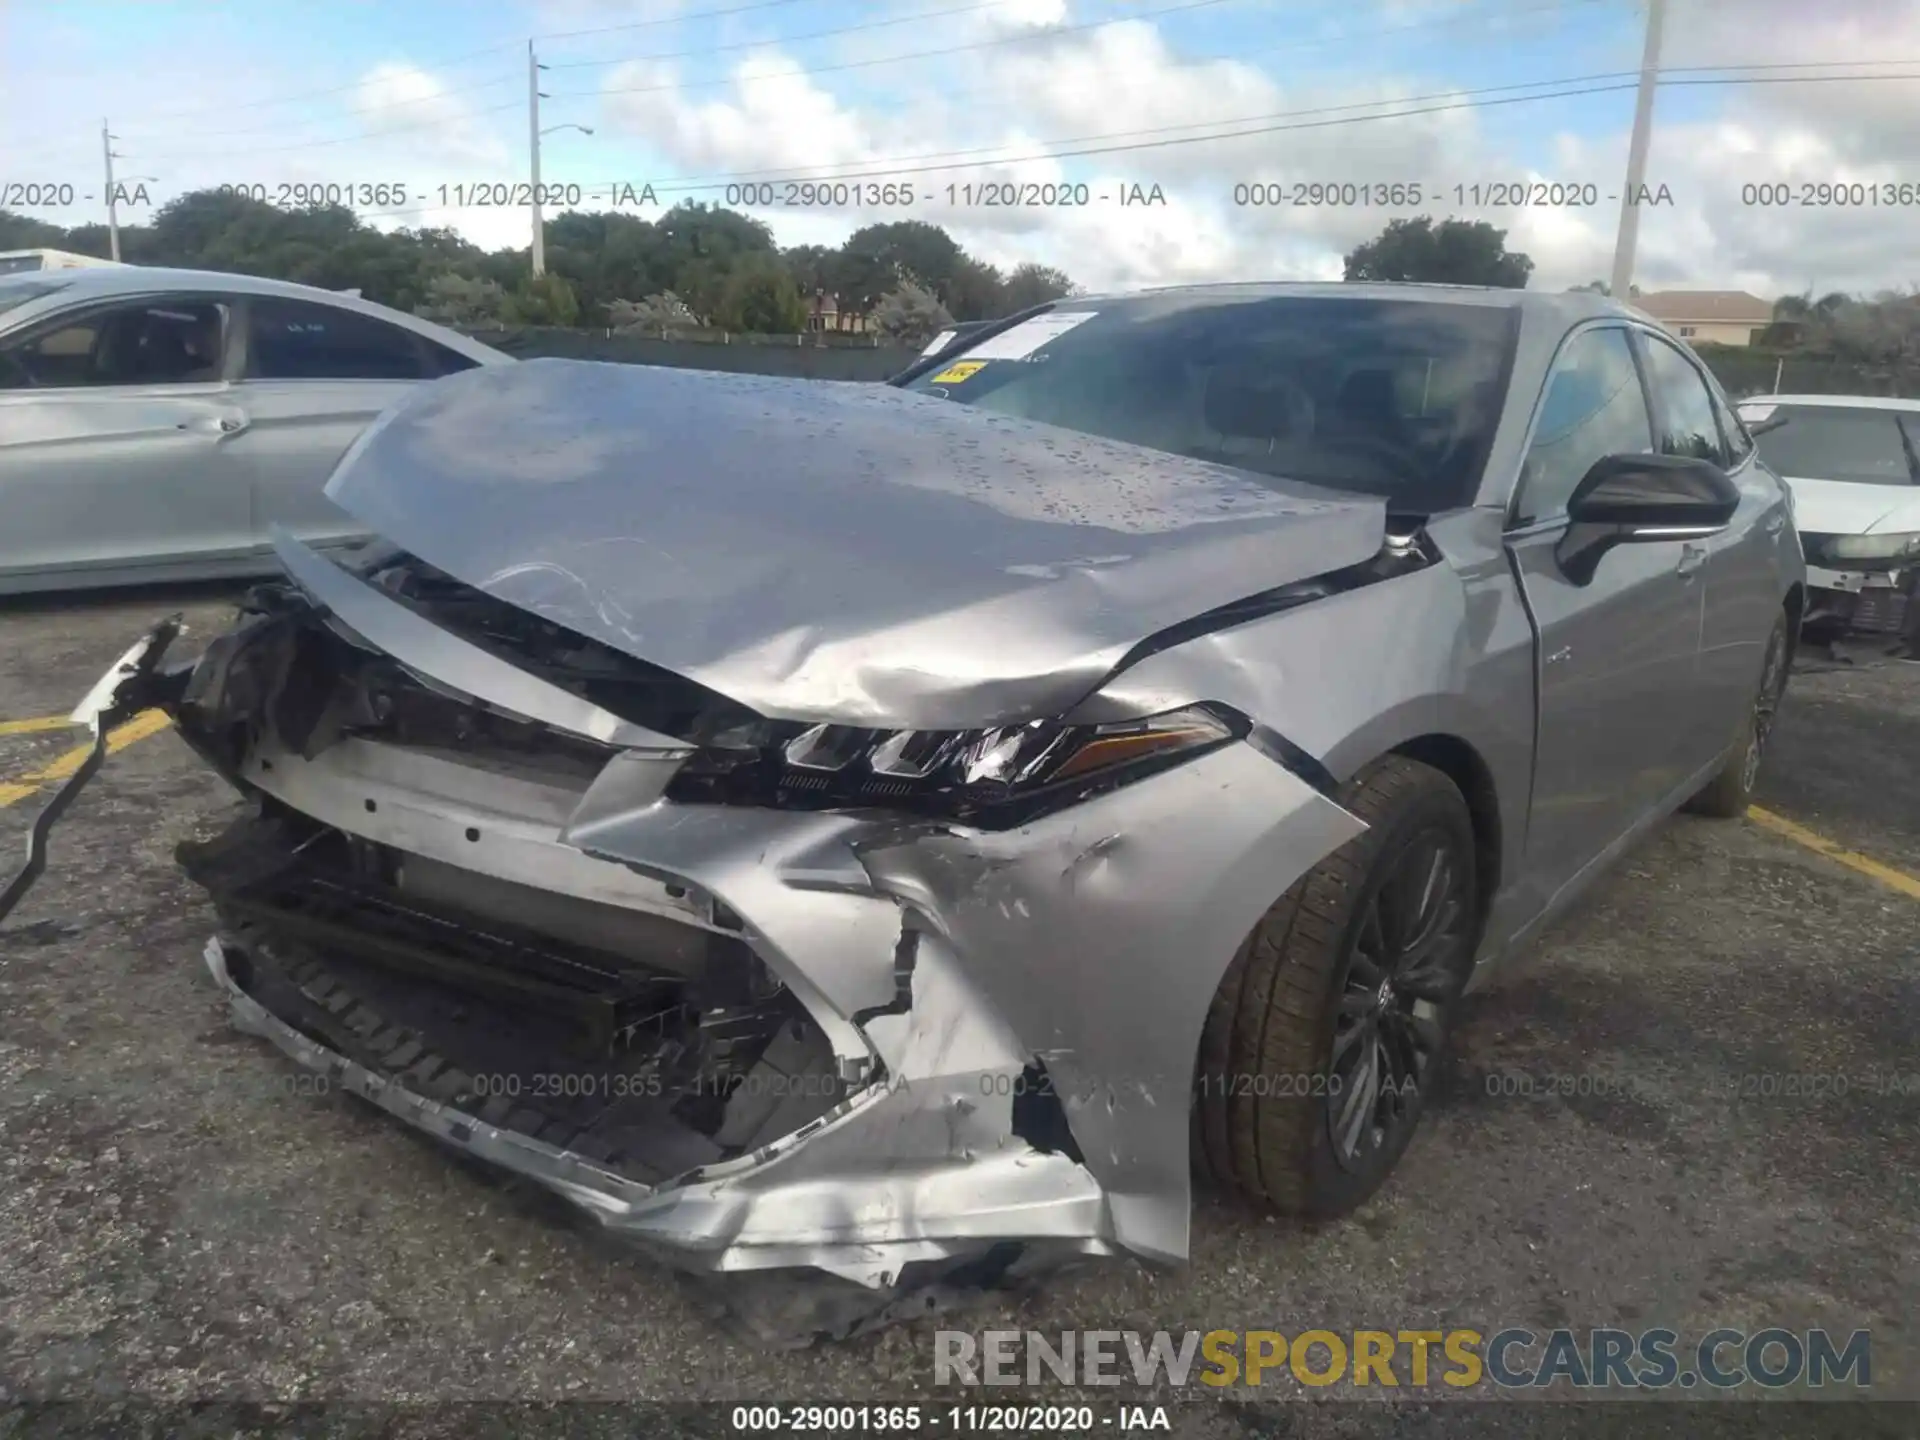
(1093, 940)
(851, 553)
(429, 650)
(1447, 650)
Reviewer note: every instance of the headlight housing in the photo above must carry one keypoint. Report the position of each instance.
(1885, 551)
(994, 777)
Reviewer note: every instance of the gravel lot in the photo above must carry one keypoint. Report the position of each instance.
(174, 1225)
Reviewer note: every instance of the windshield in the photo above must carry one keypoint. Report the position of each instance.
(1397, 398)
(1840, 442)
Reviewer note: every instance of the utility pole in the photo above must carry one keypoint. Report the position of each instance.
(1622, 285)
(533, 141)
(113, 210)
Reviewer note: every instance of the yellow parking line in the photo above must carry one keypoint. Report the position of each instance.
(35, 727)
(147, 722)
(1908, 885)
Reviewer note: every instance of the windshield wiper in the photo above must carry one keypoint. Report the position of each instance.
(1907, 447)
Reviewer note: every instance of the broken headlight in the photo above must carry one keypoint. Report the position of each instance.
(1008, 772)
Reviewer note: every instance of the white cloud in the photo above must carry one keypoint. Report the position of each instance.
(1121, 79)
(986, 114)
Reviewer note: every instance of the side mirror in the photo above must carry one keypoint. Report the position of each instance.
(1629, 499)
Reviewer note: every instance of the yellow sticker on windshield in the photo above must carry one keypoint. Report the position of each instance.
(961, 370)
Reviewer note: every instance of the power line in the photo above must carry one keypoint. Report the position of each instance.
(462, 59)
(1201, 124)
(1569, 87)
(924, 15)
(442, 96)
(966, 159)
(197, 136)
(1057, 30)
(341, 139)
(1186, 5)
(1470, 17)
(672, 19)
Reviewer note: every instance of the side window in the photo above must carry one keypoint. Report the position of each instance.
(445, 361)
(1739, 444)
(1593, 408)
(143, 342)
(1687, 425)
(301, 340)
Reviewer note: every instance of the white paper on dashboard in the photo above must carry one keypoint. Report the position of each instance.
(1754, 414)
(1028, 336)
(939, 342)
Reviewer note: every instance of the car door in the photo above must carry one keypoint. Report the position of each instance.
(1743, 576)
(314, 375)
(1615, 652)
(116, 431)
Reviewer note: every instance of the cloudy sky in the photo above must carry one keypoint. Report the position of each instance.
(946, 101)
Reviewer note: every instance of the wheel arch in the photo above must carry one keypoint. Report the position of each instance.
(1461, 763)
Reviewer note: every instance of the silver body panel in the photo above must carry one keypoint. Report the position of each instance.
(824, 553)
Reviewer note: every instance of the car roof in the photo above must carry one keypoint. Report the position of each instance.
(1566, 306)
(1843, 402)
(136, 279)
(67, 286)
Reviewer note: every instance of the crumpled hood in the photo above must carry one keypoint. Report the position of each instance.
(828, 551)
(1840, 507)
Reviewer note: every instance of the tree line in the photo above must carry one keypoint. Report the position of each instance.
(700, 265)
(696, 265)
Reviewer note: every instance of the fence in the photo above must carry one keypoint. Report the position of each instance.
(848, 357)
(798, 356)
(1752, 372)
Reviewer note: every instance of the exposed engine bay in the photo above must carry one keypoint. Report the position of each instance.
(622, 1035)
(845, 1022)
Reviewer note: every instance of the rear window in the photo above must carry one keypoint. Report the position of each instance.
(1840, 442)
(1394, 398)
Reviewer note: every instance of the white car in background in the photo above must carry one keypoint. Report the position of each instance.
(159, 424)
(1853, 464)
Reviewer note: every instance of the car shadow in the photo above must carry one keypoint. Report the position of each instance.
(161, 595)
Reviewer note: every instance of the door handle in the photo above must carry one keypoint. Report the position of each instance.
(218, 425)
(1692, 557)
(1776, 523)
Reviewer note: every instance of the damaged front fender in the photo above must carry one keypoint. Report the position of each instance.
(1091, 941)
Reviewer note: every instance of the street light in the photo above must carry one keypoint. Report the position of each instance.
(107, 137)
(534, 96)
(583, 129)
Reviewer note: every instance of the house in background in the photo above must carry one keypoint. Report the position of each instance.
(825, 314)
(1714, 317)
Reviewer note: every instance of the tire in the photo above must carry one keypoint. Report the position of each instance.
(1268, 1087)
(1729, 793)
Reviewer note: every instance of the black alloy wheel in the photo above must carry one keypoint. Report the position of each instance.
(1325, 1036)
(1403, 970)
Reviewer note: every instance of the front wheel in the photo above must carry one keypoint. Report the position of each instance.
(1324, 1037)
(1730, 792)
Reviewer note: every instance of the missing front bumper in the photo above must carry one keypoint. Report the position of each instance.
(944, 976)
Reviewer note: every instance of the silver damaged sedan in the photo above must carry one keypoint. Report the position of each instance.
(867, 843)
